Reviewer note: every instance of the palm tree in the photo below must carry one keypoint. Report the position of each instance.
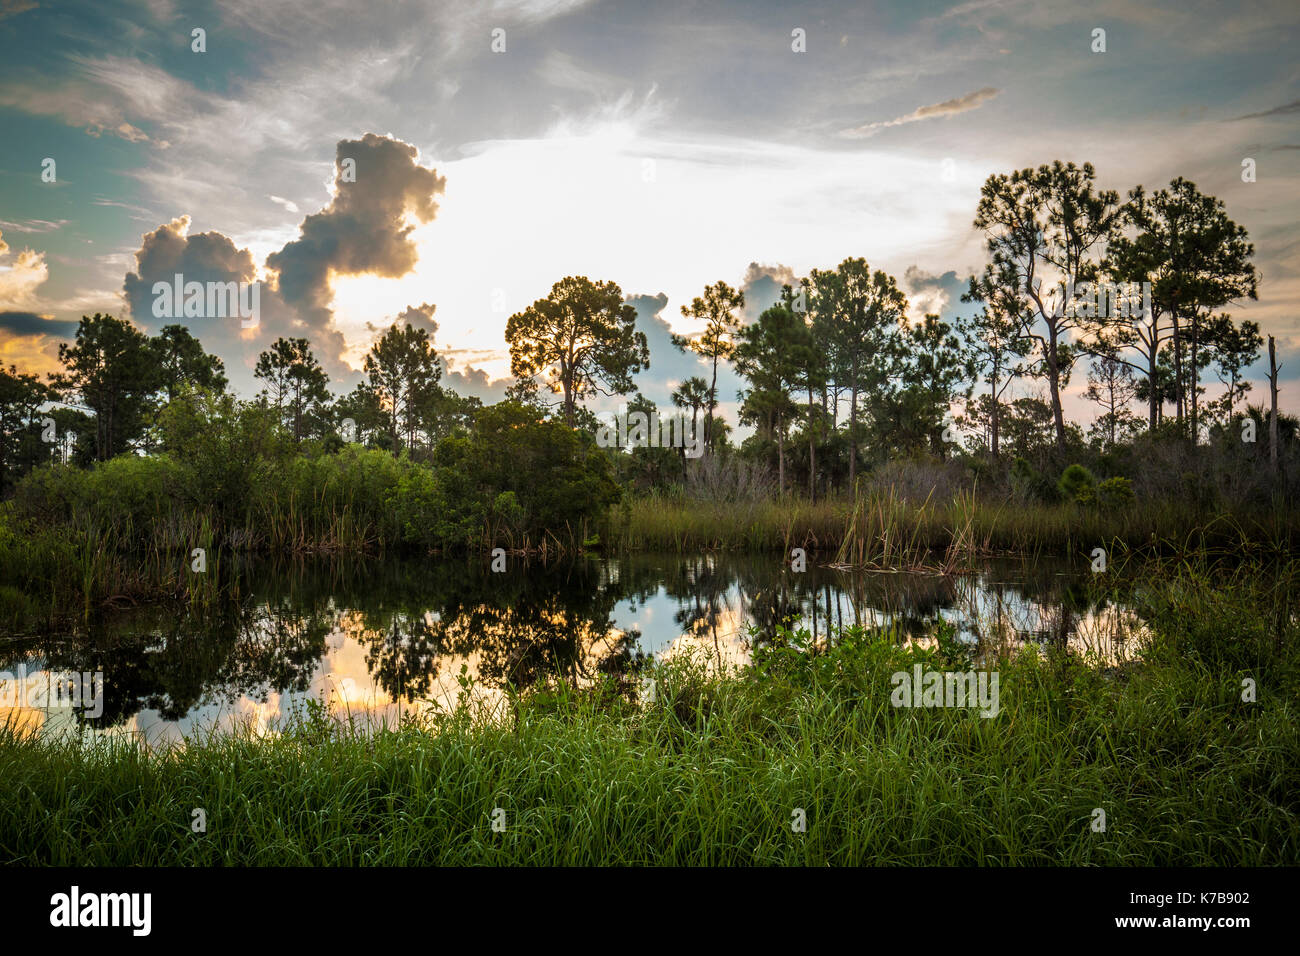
(693, 394)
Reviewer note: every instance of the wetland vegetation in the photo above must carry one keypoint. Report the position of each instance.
(398, 625)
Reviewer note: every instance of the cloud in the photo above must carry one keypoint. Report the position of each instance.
(132, 134)
(111, 95)
(669, 365)
(33, 225)
(474, 382)
(1286, 109)
(18, 280)
(960, 104)
(366, 228)
(11, 8)
(420, 317)
(561, 70)
(416, 316)
(214, 257)
(286, 203)
(930, 294)
(762, 286)
(29, 323)
(536, 11)
(27, 339)
(169, 250)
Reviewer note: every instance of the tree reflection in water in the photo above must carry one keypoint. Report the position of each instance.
(567, 622)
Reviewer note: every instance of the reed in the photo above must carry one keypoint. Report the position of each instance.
(880, 528)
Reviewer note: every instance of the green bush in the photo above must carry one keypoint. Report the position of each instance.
(1078, 484)
(1031, 484)
(1115, 493)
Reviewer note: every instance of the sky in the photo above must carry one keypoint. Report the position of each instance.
(503, 145)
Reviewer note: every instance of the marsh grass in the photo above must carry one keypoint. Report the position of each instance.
(74, 542)
(880, 528)
(711, 772)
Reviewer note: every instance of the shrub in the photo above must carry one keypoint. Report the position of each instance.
(1077, 484)
(1115, 493)
(1031, 485)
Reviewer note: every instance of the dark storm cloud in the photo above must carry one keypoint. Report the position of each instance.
(29, 323)
(365, 229)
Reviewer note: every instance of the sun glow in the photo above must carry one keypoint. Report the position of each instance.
(610, 203)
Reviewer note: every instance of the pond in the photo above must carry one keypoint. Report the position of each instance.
(379, 639)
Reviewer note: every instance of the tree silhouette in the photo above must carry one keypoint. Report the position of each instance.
(585, 335)
(717, 309)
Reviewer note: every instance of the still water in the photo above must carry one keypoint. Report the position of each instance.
(377, 640)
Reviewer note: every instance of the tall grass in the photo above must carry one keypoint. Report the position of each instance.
(715, 768)
(879, 528)
(73, 541)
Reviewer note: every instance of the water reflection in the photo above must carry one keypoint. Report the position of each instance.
(381, 639)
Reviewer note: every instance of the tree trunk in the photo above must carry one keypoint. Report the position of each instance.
(853, 434)
(1153, 394)
(1179, 404)
(997, 415)
(708, 415)
(1272, 418)
(812, 450)
(1195, 373)
(1054, 383)
(780, 453)
(1113, 403)
(994, 407)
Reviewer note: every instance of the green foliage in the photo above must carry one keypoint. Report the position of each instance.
(560, 480)
(1077, 484)
(296, 385)
(233, 479)
(21, 447)
(586, 334)
(1031, 484)
(1116, 492)
(116, 372)
(227, 452)
(403, 373)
